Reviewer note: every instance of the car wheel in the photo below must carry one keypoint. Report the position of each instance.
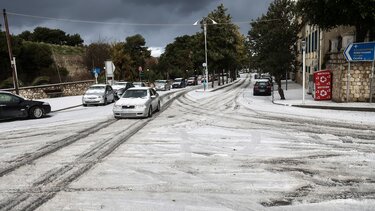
(158, 108)
(36, 112)
(150, 112)
(84, 105)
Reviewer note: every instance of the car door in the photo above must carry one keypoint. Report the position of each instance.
(155, 100)
(11, 106)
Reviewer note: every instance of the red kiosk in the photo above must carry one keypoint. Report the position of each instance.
(323, 85)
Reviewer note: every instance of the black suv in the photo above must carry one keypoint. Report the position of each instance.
(262, 87)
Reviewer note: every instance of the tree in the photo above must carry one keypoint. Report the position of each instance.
(177, 57)
(96, 54)
(138, 52)
(74, 40)
(5, 67)
(328, 14)
(52, 36)
(272, 40)
(122, 61)
(34, 61)
(227, 46)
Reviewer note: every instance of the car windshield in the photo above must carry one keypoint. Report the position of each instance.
(191, 78)
(135, 94)
(160, 81)
(177, 80)
(96, 89)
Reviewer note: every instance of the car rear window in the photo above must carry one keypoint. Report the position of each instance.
(262, 83)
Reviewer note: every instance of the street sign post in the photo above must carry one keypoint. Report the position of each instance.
(360, 52)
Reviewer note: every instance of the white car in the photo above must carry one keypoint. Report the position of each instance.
(98, 94)
(162, 85)
(137, 102)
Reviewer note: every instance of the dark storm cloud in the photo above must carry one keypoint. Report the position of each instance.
(156, 12)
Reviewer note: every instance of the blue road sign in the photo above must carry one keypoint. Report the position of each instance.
(96, 70)
(358, 52)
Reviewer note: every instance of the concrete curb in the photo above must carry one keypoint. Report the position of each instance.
(62, 109)
(341, 108)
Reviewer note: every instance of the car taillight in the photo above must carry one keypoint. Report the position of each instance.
(255, 87)
(268, 87)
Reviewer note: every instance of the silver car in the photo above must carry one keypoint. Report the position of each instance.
(98, 94)
(137, 102)
(162, 85)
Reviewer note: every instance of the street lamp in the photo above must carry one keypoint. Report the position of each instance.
(205, 45)
(303, 43)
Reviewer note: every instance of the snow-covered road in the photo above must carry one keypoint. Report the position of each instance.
(222, 150)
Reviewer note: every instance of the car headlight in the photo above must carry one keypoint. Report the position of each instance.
(140, 106)
(117, 106)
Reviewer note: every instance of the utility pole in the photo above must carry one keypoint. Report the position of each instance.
(12, 61)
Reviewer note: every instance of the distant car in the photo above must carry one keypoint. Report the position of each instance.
(267, 77)
(121, 84)
(179, 83)
(262, 87)
(98, 94)
(13, 106)
(120, 87)
(137, 102)
(139, 84)
(162, 85)
(192, 81)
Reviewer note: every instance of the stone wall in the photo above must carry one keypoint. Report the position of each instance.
(54, 90)
(359, 82)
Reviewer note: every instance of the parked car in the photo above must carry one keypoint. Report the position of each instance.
(192, 81)
(98, 94)
(262, 87)
(179, 83)
(121, 84)
(120, 87)
(162, 85)
(268, 77)
(137, 102)
(13, 106)
(139, 84)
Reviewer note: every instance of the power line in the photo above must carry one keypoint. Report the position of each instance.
(124, 23)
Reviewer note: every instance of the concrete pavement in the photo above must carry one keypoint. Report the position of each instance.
(293, 97)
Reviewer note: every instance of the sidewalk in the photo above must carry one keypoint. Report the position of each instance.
(293, 97)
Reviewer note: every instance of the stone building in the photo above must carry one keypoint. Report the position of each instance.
(324, 51)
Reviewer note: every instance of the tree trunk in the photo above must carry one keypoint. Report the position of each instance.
(222, 75)
(280, 90)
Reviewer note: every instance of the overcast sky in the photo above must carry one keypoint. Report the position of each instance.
(158, 21)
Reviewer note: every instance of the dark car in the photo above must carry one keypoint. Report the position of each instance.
(13, 106)
(262, 87)
(139, 84)
(120, 87)
(179, 83)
